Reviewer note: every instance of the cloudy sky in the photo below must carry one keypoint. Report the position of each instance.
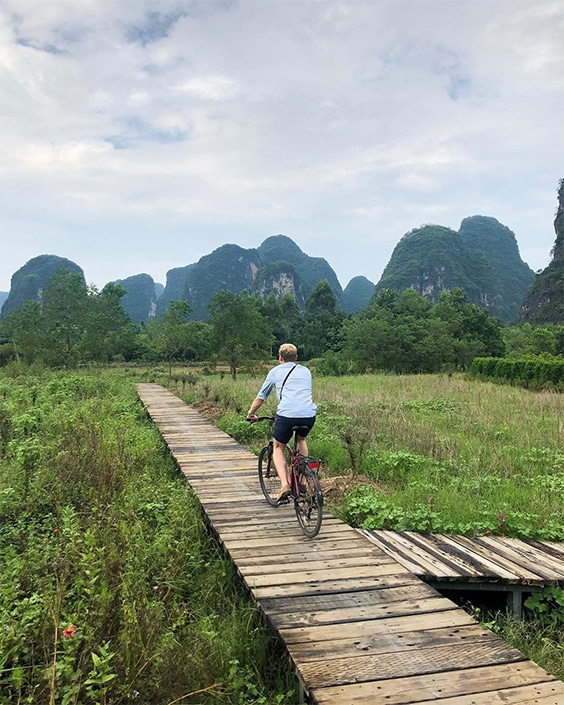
(139, 135)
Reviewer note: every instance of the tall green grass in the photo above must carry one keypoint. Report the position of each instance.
(435, 452)
(112, 589)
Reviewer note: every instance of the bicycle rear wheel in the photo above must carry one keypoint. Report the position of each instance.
(268, 478)
(309, 504)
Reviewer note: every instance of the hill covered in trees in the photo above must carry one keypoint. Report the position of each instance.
(482, 258)
(31, 280)
(140, 299)
(544, 302)
(278, 266)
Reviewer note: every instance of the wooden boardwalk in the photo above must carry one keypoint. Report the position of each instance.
(358, 626)
(486, 563)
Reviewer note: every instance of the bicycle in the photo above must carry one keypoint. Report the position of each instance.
(305, 488)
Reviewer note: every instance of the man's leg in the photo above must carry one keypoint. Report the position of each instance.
(280, 462)
(302, 446)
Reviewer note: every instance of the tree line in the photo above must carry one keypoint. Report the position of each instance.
(400, 332)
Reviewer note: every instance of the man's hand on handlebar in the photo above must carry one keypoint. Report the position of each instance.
(252, 418)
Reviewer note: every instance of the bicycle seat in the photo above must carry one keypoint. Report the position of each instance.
(300, 428)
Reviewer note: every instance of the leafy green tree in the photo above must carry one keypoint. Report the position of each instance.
(475, 332)
(170, 332)
(322, 326)
(240, 331)
(23, 329)
(321, 299)
(64, 316)
(104, 319)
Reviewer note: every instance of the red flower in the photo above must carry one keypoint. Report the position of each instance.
(69, 632)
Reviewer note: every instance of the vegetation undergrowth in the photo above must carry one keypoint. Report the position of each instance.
(112, 589)
(434, 453)
(438, 453)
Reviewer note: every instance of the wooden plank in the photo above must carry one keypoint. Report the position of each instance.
(410, 555)
(550, 693)
(435, 687)
(306, 556)
(382, 642)
(482, 558)
(435, 659)
(306, 576)
(323, 587)
(395, 625)
(280, 532)
(527, 556)
(292, 541)
(327, 565)
(461, 565)
(434, 603)
(554, 549)
(319, 545)
(367, 598)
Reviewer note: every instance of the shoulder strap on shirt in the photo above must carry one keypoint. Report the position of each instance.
(285, 378)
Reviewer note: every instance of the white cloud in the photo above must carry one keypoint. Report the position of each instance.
(173, 126)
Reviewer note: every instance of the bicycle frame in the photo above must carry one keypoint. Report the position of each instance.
(305, 489)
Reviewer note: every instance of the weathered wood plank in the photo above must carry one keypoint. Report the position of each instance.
(395, 625)
(306, 576)
(410, 555)
(532, 562)
(327, 566)
(365, 598)
(551, 693)
(324, 587)
(287, 620)
(433, 659)
(382, 642)
(435, 686)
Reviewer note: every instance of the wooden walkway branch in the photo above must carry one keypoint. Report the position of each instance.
(358, 626)
(486, 563)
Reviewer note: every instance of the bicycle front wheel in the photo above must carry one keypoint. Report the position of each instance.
(309, 504)
(268, 478)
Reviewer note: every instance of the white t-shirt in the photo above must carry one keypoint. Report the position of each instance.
(296, 401)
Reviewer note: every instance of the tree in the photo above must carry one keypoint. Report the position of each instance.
(104, 319)
(23, 329)
(170, 332)
(321, 299)
(64, 315)
(321, 329)
(240, 331)
(475, 332)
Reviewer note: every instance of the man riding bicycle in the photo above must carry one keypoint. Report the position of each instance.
(295, 408)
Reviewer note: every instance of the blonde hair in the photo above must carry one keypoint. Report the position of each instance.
(288, 352)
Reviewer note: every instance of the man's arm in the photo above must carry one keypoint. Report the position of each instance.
(255, 406)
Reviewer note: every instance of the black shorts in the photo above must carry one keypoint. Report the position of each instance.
(283, 427)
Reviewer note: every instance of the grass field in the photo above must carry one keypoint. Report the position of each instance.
(112, 590)
(427, 452)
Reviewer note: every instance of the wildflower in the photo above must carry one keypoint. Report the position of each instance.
(501, 518)
(69, 632)
(55, 530)
(155, 587)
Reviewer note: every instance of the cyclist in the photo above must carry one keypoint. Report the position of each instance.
(295, 408)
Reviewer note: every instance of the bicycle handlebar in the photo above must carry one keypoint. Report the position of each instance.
(262, 418)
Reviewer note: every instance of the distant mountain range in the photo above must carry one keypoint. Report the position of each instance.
(482, 257)
(544, 302)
